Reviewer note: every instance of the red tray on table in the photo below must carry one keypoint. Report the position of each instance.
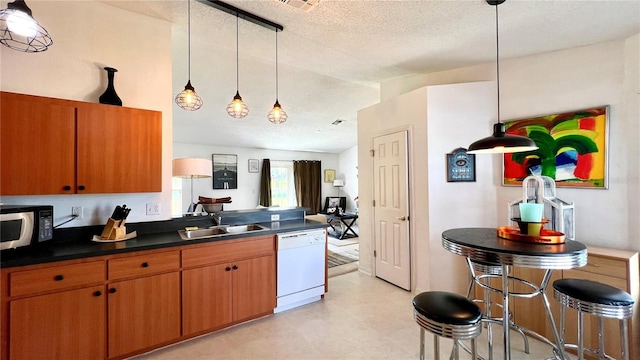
(545, 237)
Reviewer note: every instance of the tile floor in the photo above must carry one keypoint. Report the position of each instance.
(361, 317)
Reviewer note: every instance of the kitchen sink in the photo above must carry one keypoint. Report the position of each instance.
(216, 231)
(201, 233)
(244, 228)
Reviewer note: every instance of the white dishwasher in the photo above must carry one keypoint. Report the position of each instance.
(301, 267)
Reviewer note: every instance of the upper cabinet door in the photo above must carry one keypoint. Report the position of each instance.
(119, 149)
(37, 143)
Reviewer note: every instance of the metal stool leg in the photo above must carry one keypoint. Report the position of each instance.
(474, 349)
(436, 347)
(601, 352)
(625, 339)
(580, 337)
(487, 309)
(421, 343)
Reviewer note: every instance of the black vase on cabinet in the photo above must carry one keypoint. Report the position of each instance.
(110, 96)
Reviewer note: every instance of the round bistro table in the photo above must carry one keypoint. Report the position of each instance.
(484, 245)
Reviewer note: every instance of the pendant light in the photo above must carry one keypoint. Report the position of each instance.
(20, 31)
(188, 99)
(237, 108)
(277, 115)
(500, 142)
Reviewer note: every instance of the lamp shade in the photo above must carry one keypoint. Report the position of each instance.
(192, 168)
(501, 142)
(338, 183)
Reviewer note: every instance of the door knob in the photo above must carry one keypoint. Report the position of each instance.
(401, 218)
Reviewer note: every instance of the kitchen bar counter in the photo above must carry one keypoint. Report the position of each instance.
(59, 249)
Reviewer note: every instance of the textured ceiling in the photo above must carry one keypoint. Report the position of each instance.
(333, 58)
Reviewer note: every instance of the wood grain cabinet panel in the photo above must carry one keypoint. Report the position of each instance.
(143, 313)
(55, 278)
(65, 325)
(206, 298)
(142, 265)
(254, 287)
(55, 146)
(37, 143)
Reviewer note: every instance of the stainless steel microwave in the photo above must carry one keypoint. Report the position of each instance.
(24, 225)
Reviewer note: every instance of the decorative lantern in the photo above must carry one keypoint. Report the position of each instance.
(542, 190)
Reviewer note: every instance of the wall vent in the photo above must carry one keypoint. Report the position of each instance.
(305, 5)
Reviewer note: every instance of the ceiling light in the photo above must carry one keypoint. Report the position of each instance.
(188, 99)
(500, 142)
(20, 31)
(277, 115)
(237, 108)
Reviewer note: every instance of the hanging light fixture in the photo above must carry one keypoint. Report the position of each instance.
(20, 31)
(188, 99)
(277, 115)
(237, 108)
(500, 142)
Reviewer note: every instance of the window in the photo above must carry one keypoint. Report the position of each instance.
(283, 191)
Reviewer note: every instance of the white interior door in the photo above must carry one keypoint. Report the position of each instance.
(391, 209)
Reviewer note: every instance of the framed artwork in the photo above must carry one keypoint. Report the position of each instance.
(225, 171)
(572, 149)
(253, 165)
(461, 166)
(329, 175)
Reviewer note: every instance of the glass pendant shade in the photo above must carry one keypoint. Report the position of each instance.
(277, 115)
(501, 143)
(188, 99)
(237, 108)
(20, 31)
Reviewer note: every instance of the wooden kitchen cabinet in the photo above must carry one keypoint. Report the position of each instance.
(143, 313)
(240, 284)
(65, 325)
(55, 146)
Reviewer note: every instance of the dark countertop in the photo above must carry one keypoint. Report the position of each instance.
(83, 248)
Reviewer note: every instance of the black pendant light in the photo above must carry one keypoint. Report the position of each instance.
(500, 142)
(277, 115)
(20, 31)
(188, 99)
(237, 108)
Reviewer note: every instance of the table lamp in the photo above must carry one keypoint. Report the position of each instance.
(338, 183)
(192, 168)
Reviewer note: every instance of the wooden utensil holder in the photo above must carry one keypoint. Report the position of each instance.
(114, 230)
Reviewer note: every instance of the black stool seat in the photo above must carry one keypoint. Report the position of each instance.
(447, 308)
(593, 292)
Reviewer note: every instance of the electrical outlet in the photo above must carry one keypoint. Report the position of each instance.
(153, 209)
(77, 212)
(275, 217)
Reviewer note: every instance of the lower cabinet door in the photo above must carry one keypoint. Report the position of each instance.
(143, 313)
(254, 287)
(66, 325)
(206, 298)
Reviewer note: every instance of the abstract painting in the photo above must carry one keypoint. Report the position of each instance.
(572, 149)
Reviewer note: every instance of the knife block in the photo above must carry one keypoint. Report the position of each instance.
(114, 230)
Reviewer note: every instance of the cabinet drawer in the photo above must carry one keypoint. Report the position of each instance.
(605, 266)
(609, 280)
(56, 278)
(141, 265)
(228, 251)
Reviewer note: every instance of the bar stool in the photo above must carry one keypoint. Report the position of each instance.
(447, 315)
(480, 275)
(598, 299)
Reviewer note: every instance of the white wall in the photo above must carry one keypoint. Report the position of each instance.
(348, 171)
(138, 46)
(439, 119)
(246, 196)
(572, 79)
